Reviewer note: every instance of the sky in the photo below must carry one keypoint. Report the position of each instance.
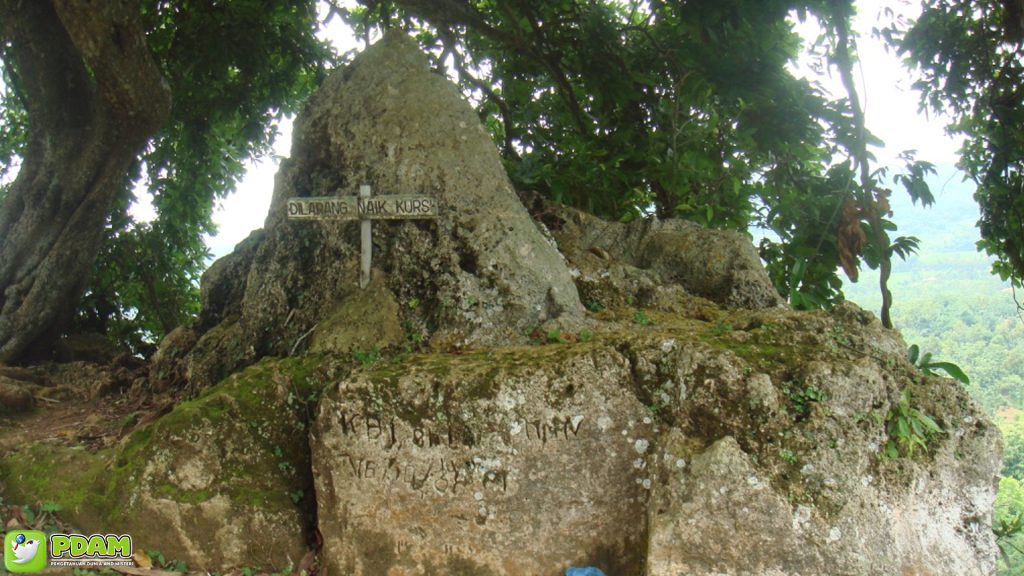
(890, 106)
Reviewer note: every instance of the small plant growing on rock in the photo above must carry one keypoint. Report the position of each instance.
(802, 397)
(909, 428)
(839, 338)
(1006, 529)
(367, 358)
(721, 327)
(925, 364)
(641, 318)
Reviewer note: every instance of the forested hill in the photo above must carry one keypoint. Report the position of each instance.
(946, 299)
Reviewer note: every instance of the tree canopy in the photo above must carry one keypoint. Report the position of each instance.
(232, 68)
(683, 109)
(968, 55)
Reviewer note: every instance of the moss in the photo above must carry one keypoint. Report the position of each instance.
(68, 476)
(183, 496)
(265, 408)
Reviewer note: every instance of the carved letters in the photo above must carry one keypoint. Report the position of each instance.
(437, 473)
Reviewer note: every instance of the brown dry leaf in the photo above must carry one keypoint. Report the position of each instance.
(851, 239)
(40, 520)
(882, 202)
(17, 518)
(142, 560)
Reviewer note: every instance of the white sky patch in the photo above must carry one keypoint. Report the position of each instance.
(891, 106)
(244, 211)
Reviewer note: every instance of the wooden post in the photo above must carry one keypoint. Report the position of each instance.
(365, 240)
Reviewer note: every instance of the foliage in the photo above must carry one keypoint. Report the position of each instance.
(630, 108)
(169, 565)
(233, 68)
(801, 398)
(1013, 445)
(1008, 525)
(928, 366)
(967, 54)
(13, 123)
(641, 318)
(367, 358)
(621, 108)
(908, 428)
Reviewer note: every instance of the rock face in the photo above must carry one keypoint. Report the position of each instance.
(615, 261)
(748, 445)
(388, 121)
(516, 462)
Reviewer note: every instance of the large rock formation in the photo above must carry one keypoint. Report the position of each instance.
(387, 121)
(752, 444)
(463, 415)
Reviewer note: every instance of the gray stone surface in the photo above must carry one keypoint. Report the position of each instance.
(480, 274)
(697, 440)
(524, 463)
(614, 261)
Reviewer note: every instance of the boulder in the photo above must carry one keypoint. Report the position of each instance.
(615, 263)
(752, 444)
(386, 120)
(515, 462)
(222, 481)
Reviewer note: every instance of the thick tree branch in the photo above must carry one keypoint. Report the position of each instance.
(108, 36)
(95, 97)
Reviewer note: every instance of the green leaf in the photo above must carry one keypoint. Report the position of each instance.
(912, 353)
(928, 422)
(953, 370)
(891, 451)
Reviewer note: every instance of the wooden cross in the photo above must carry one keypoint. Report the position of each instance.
(366, 209)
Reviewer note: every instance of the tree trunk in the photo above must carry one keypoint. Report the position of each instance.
(94, 97)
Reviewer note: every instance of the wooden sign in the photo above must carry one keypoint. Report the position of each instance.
(365, 208)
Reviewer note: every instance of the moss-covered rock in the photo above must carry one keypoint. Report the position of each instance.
(223, 480)
(658, 442)
(613, 261)
(366, 320)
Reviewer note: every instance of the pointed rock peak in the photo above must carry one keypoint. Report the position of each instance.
(471, 268)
